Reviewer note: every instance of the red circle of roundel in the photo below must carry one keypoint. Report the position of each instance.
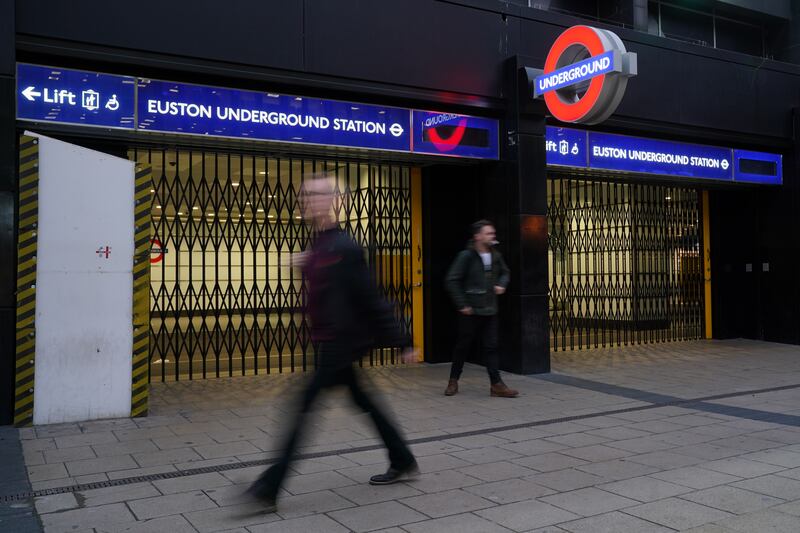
(588, 38)
(160, 255)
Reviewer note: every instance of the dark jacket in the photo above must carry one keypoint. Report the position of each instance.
(345, 306)
(470, 285)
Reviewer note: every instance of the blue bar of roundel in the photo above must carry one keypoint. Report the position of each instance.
(635, 154)
(455, 135)
(565, 147)
(49, 94)
(776, 159)
(607, 57)
(200, 110)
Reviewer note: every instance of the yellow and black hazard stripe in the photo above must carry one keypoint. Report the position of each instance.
(26, 280)
(141, 292)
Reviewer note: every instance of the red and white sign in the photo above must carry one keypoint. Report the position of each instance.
(585, 75)
(157, 251)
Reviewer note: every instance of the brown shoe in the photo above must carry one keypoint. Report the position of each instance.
(452, 387)
(502, 391)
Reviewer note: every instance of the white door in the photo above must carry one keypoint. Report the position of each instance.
(84, 333)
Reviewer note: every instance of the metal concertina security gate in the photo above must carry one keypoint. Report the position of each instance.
(625, 263)
(224, 301)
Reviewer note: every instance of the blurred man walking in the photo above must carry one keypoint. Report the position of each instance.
(475, 280)
(348, 316)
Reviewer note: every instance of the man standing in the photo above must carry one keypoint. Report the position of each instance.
(348, 316)
(475, 280)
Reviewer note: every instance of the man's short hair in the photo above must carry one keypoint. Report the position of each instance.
(479, 225)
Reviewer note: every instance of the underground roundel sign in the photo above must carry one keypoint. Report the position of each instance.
(585, 75)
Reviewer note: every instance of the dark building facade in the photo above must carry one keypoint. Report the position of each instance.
(576, 283)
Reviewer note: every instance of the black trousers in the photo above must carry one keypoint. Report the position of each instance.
(471, 329)
(328, 376)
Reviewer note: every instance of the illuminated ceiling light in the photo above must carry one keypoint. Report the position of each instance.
(260, 210)
(158, 207)
(270, 216)
(247, 203)
(235, 183)
(668, 198)
(152, 190)
(180, 213)
(262, 172)
(195, 208)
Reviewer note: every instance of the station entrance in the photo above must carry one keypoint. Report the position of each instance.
(225, 298)
(626, 262)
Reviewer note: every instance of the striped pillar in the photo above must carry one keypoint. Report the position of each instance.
(26, 280)
(141, 292)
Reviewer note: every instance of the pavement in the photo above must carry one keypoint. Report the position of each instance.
(696, 436)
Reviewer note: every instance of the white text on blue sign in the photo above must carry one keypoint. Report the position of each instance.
(576, 73)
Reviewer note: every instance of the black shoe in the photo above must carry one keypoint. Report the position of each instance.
(264, 498)
(393, 475)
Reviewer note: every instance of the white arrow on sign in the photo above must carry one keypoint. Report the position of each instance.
(396, 129)
(30, 93)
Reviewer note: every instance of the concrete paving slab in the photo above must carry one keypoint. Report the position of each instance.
(613, 522)
(462, 523)
(645, 488)
(589, 501)
(446, 503)
(732, 499)
(376, 516)
(677, 513)
(524, 515)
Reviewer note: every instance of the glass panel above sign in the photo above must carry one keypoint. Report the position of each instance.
(48, 94)
(638, 155)
(758, 167)
(454, 135)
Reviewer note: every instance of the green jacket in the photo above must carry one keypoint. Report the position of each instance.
(469, 285)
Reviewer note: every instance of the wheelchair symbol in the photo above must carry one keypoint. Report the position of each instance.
(113, 103)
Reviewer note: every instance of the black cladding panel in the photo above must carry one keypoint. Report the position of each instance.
(419, 43)
(267, 32)
(6, 37)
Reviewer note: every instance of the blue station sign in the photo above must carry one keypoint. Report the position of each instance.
(195, 109)
(651, 156)
(65, 96)
(47, 94)
(622, 153)
(566, 147)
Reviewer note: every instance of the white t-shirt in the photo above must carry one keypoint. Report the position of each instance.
(487, 260)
